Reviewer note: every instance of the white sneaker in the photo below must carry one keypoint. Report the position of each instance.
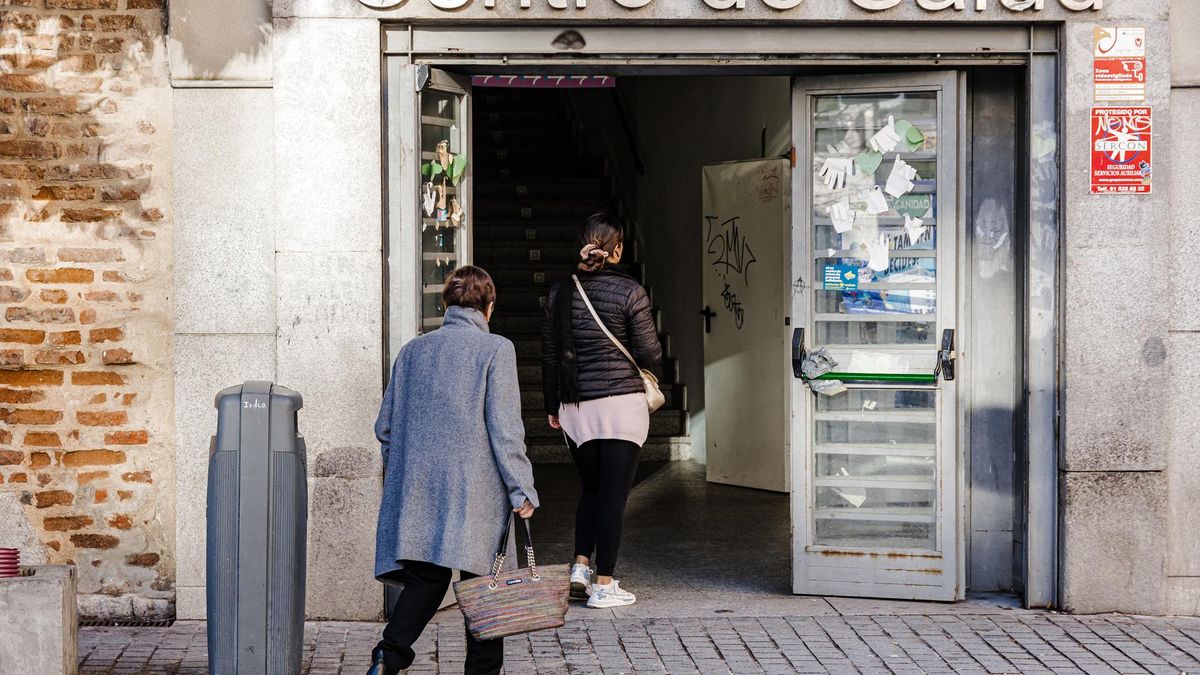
(581, 581)
(611, 595)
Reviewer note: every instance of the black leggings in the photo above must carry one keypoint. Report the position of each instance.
(425, 584)
(606, 469)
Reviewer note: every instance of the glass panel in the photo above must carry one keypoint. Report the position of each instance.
(899, 291)
(875, 469)
(875, 305)
(444, 219)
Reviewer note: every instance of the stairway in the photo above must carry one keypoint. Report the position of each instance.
(533, 188)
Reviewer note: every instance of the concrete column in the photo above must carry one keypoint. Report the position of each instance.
(330, 292)
(1183, 346)
(224, 241)
(1115, 402)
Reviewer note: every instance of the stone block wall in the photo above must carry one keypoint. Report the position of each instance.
(86, 398)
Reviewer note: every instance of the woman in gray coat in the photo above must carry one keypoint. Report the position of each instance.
(454, 464)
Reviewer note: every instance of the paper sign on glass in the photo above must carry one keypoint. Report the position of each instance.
(840, 278)
(886, 139)
(900, 182)
(834, 171)
(876, 202)
(842, 215)
(877, 249)
(915, 227)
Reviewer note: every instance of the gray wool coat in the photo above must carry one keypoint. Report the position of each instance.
(453, 448)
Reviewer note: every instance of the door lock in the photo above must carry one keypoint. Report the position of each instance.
(946, 356)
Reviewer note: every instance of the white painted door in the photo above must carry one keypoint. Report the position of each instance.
(747, 215)
(877, 505)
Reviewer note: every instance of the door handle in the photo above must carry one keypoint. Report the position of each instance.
(946, 356)
(708, 315)
(798, 353)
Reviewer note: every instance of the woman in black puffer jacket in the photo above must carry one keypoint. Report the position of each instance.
(597, 397)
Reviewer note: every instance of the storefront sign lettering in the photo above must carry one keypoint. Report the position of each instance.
(779, 5)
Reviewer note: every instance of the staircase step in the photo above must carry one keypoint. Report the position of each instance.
(516, 208)
(507, 171)
(538, 159)
(578, 188)
(497, 255)
(656, 449)
(526, 273)
(516, 116)
(515, 231)
(547, 136)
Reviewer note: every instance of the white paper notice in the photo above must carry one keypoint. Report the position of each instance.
(877, 250)
(834, 171)
(900, 182)
(876, 202)
(886, 139)
(915, 227)
(842, 215)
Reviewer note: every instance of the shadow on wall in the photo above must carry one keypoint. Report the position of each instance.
(220, 39)
(85, 378)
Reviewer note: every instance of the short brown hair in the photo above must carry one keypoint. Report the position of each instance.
(469, 286)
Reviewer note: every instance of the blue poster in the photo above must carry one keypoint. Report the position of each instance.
(840, 278)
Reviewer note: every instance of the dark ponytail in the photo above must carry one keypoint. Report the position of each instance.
(600, 237)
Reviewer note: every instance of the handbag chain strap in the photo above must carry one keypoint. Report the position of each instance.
(603, 327)
(502, 553)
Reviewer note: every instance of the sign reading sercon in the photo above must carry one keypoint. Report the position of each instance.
(870, 5)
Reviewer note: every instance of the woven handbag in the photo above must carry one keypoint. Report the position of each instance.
(521, 601)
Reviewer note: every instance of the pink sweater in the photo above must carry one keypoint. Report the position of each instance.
(623, 417)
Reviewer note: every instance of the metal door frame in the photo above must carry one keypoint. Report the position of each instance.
(629, 47)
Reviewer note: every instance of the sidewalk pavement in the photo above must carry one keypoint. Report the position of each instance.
(827, 635)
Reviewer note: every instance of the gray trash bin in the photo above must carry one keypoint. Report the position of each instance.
(257, 523)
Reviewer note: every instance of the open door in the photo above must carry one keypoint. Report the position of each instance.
(876, 501)
(445, 190)
(747, 214)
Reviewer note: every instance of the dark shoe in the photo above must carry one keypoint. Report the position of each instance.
(377, 667)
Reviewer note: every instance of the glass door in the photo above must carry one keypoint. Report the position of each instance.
(876, 498)
(445, 204)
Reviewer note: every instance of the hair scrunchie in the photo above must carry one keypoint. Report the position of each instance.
(592, 250)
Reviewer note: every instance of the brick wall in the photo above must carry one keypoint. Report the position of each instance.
(85, 339)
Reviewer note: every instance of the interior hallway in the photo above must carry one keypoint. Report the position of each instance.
(693, 548)
(686, 540)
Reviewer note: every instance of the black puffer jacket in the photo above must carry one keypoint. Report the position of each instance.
(603, 371)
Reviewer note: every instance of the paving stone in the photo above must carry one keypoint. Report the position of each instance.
(1021, 642)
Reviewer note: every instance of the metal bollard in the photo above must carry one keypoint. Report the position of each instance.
(257, 524)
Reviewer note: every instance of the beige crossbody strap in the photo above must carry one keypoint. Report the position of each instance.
(604, 328)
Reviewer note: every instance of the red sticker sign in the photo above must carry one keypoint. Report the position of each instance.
(1119, 71)
(1121, 155)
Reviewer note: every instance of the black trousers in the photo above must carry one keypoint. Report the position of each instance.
(606, 469)
(425, 584)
